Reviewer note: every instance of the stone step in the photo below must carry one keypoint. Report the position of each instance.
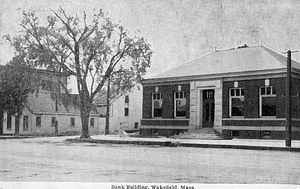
(203, 133)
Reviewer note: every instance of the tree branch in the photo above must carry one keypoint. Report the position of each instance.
(69, 29)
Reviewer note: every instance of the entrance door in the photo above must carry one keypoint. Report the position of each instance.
(208, 108)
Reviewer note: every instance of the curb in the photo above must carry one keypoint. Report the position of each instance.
(243, 147)
(179, 144)
(15, 137)
(99, 141)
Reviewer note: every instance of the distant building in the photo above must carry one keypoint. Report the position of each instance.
(125, 108)
(44, 109)
(238, 92)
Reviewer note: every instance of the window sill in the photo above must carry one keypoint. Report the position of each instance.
(268, 117)
(165, 118)
(237, 117)
(181, 118)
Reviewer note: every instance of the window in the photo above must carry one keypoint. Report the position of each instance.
(156, 105)
(208, 94)
(25, 123)
(126, 113)
(53, 121)
(9, 117)
(268, 101)
(154, 132)
(92, 122)
(38, 121)
(265, 134)
(72, 122)
(235, 133)
(236, 102)
(136, 125)
(180, 104)
(126, 99)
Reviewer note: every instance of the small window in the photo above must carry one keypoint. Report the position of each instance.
(38, 121)
(236, 102)
(268, 101)
(265, 134)
(208, 94)
(235, 133)
(156, 105)
(53, 121)
(154, 132)
(126, 111)
(92, 122)
(9, 117)
(25, 123)
(72, 122)
(136, 125)
(126, 99)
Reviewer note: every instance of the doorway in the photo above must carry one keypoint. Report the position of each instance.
(208, 108)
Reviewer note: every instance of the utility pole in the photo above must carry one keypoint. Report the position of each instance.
(288, 108)
(107, 107)
(288, 115)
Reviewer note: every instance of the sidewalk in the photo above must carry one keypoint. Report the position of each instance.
(251, 144)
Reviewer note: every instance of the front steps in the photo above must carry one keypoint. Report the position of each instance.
(207, 133)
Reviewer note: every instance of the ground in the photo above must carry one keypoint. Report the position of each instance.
(52, 159)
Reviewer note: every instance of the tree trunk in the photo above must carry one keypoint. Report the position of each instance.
(106, 132)
(17, 124)
(85, 125)
(85, 115)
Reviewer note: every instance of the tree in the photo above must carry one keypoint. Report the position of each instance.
(15, 85)
(89, 48)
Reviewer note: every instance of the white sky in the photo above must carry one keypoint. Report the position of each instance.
(181, 30)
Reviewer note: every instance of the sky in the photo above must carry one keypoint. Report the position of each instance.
(180, 30)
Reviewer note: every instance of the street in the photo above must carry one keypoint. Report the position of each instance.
(51, 159)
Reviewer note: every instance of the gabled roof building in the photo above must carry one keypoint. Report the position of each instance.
(47, 112)
(238, 92)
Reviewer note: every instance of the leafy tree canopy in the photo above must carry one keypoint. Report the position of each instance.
(16, 83)
(89, 47)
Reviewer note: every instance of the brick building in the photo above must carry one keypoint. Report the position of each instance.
(238, 92)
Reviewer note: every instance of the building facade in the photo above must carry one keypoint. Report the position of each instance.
(47, 112)
(238, 92)
(125, 109)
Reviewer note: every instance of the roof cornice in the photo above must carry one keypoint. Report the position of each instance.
(187, 79)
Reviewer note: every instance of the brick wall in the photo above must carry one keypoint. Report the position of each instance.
(167, 102)
(252, 97)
